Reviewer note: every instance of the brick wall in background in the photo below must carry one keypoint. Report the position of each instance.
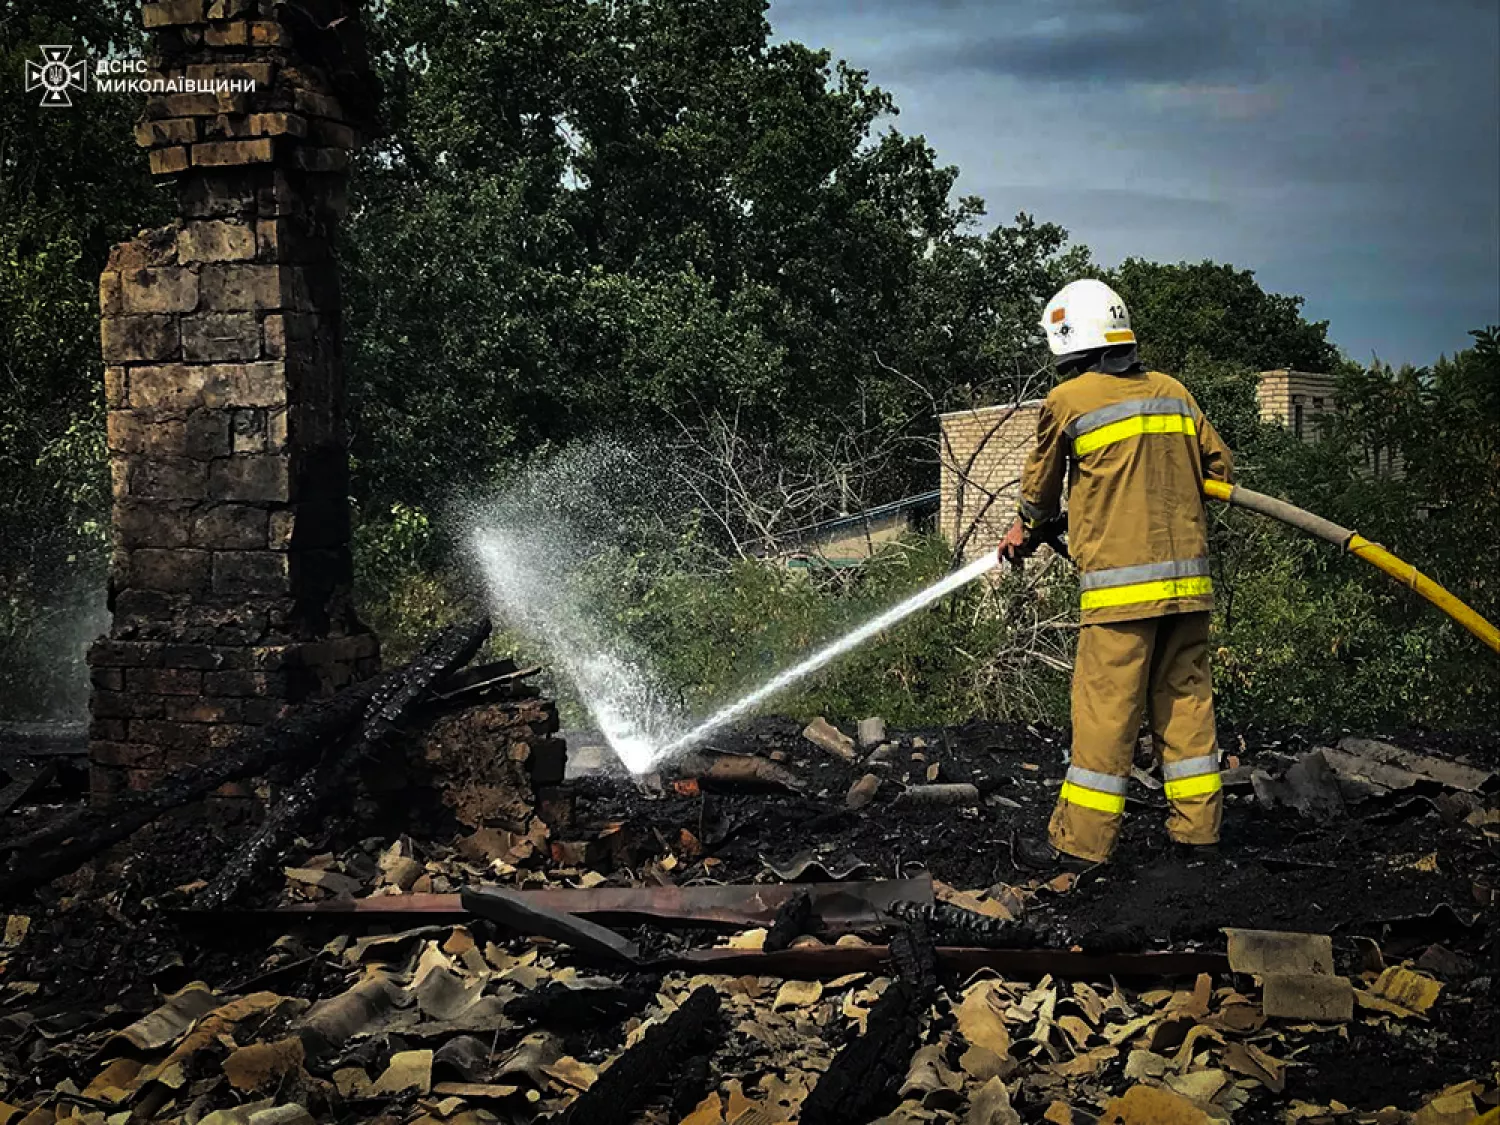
(983, 452)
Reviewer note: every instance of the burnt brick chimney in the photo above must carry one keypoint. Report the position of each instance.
(230, 580)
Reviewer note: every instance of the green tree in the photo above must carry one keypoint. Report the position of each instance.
(1411, 460)
(1214, 327)
(590, 218)
(72, 182)
(1222, 312)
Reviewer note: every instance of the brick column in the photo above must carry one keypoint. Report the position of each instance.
(230, 579)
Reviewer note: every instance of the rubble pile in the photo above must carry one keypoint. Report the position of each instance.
(740, 940)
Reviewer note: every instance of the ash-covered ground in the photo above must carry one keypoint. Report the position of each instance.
(1396, 877)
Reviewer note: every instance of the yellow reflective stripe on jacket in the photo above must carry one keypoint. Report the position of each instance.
(1146, 592)
(1199, 786)
(1144, 572)
(1094, 790)
(1160, 414)
(1133, 427)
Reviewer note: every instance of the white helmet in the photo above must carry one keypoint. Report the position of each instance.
(1085, 315)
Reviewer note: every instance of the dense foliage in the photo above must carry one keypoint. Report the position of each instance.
(72, 182)
(645, 222)
(643, 215)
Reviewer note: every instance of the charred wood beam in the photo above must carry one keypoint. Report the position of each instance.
(791, 922)
(61, 847)
(618, 1092)
(568, 1008)
(44, 740)
(953, 925)
(869, 1069)
(915, 961)
(736, 771)
(450, 650)
(25, 781)
(500, 680)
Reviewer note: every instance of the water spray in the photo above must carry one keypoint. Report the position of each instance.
(825, 655)
(533, 542)
(615, 688)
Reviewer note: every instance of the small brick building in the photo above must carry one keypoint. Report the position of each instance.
(1296, 400)
(230, 579)
(982, 453)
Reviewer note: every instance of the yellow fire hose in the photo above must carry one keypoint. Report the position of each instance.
(1356, 544)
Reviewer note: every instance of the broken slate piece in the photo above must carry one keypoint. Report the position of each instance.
(261, 1066)
(862, 792)
(1310, 787)
(823, 734)
(170, 1022)
(409, 1070)
(1146, 1064)
(463, 1057)
(1237, 778)
(289, 1114)
(991, 1106)
(883, 755)
(1443, 962)
(1307, 996)
(329, 880)
(1277, 951)
(1390, 767)
(932, 1083)
(871, 733)
(955, 793)
(1152, 1105)
(1416, 992)
(806, 867)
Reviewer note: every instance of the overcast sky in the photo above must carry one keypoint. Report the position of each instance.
(1345, 150)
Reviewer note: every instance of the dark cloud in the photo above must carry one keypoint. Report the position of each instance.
(1095, 44)
(1103, 41)
(1346, 150)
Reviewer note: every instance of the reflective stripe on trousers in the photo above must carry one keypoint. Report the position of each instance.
(1149, 582)
(1155, 668)
(1193, 777)
(1134, 418)
(1103, 792)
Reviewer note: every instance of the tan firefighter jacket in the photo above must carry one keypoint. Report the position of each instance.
(1135, 449)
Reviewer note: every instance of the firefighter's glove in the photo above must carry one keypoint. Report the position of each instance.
(1017, 544)
(1025, 536)
(1054, 533)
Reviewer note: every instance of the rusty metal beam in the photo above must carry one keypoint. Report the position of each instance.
(560, 913)
(840, 907)
(825, 961)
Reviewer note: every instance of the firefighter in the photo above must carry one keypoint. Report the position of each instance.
(1135, 449)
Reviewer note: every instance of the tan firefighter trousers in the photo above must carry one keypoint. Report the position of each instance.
(1123, 668)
